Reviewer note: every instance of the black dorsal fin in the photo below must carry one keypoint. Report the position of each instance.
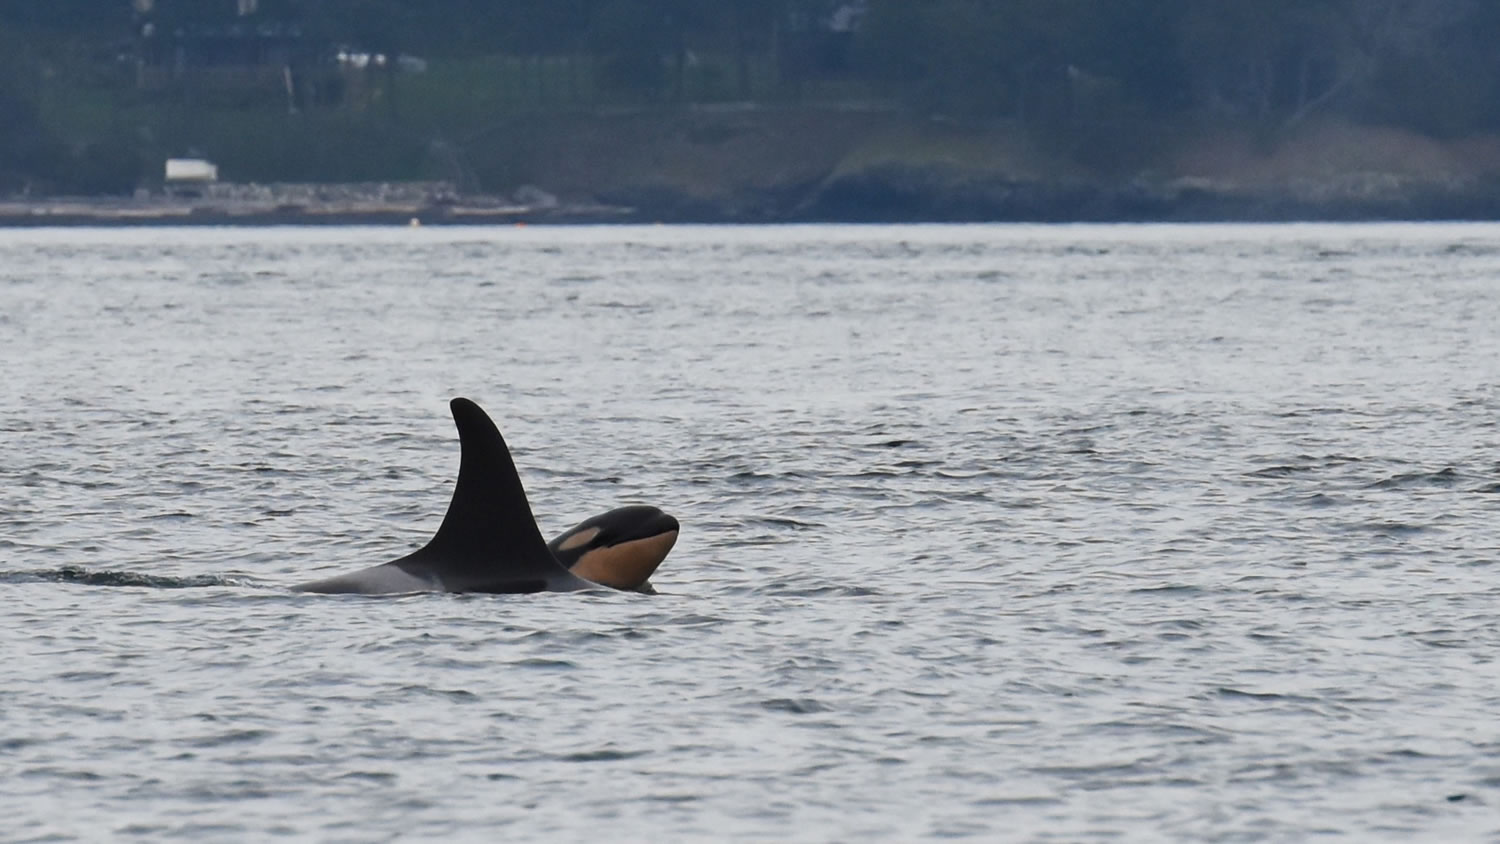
(488, 541)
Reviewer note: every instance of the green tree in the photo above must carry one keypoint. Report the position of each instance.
(29, 156)
(630, 38)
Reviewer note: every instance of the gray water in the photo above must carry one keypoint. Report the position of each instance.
(1009, 533)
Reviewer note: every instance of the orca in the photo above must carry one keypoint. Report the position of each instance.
(489, 541)
(620, 548)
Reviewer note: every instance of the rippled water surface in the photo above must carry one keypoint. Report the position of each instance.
(1011, 533)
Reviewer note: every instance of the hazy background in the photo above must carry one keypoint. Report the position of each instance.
(95, 94)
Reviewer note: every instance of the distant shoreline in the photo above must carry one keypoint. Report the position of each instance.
(841, 166)
(303, 204)
(81, 213)
(870, 199)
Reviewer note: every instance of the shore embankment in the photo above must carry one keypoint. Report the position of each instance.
(400, 203)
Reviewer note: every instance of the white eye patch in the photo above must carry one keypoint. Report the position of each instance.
(583, 537)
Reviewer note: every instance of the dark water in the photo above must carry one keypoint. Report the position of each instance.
(1064, 534)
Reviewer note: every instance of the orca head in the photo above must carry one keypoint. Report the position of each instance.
(619, 549)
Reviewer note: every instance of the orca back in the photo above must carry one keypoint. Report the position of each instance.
(488, 541)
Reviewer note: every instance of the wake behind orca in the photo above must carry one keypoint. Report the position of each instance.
(489, 540)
